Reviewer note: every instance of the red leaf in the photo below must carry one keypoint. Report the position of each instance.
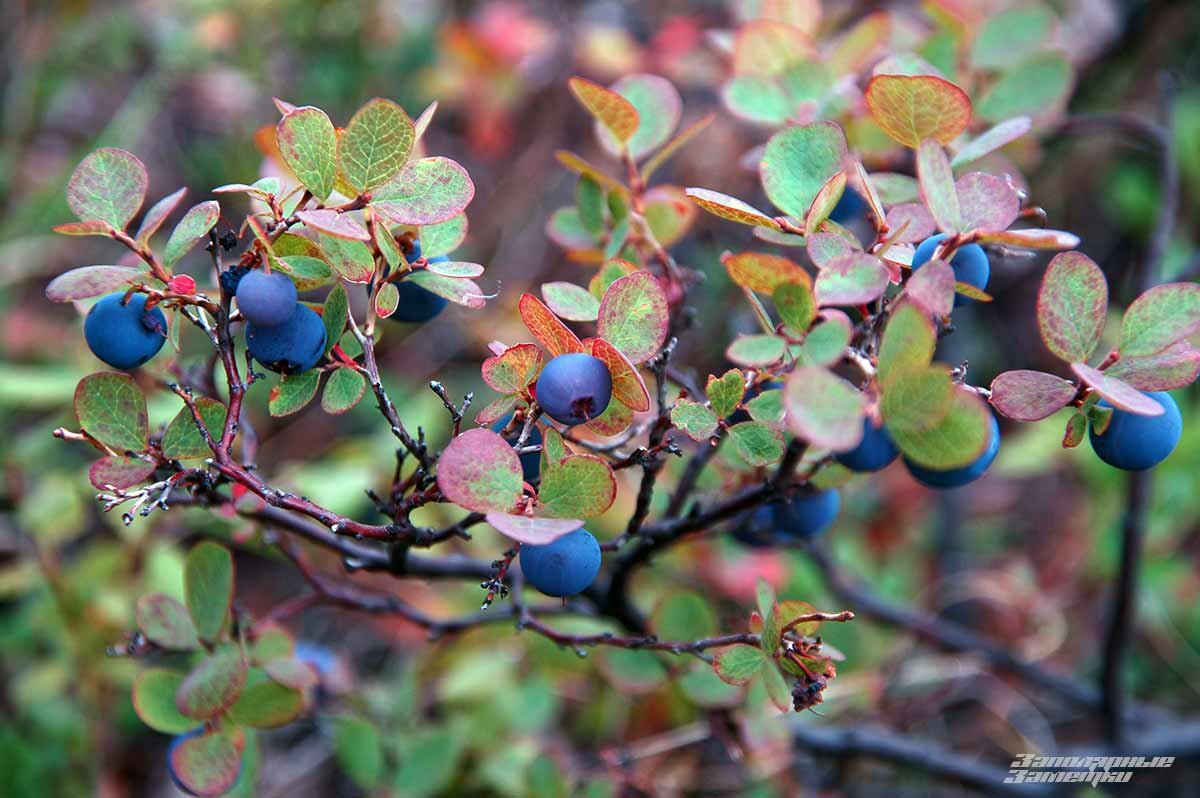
(546, 327)
(628, 388)
(1030, 395)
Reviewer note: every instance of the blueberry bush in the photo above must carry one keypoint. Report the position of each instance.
(884, 204)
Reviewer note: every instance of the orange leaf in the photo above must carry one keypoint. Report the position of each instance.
(546, 327)
(912, 108)
(628, 388)
(611, 109)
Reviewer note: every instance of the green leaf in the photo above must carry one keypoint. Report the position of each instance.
(388, 247)
(182, 439)
(757, 99)
(208, 588)
(89, 281)
(119, 472)
(633, 316)
(738, 664)
(306, 272)
(795, 304)
(479, 471)
(777, 689)
(334, 315)
(544, 779)
(589, 204)
(705, 689)
(459, 290)
(192, 228)
(609, 108)
(111, 408)
(855, 278)
(917, 398)
(357, 745)
(908, 340)
(913, 108)
(308, 145)
(764, 596)
(658, 107)
(166, 623)
(154, 701)
(424, 192)
(267, 705)
(579, 486)
(767, 407)
(444, 237)
(109, 185)
(1011, 35)
(894, 188)
(430, 762)
(757, 443)
(343, 390)
(293, 393)
(824, 409)
(683, 616)
(570, 301)
(798, 161)
(1160, 317)
(936, 180)
(825, 344)
(694, 419)
(756, 350)
(617, 238)
(1025, 395)
(351, 259)
(207, 764)
(725, 392)
(376, 144)
(955, 441)
(1072, 306)
(213, 684)
(1031, 88)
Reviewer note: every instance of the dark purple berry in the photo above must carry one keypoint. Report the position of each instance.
(574, 388)
(289, 348)
(266, 299)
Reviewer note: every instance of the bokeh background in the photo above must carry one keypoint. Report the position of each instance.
(1026, 556)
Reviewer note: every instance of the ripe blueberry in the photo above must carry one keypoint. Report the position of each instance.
(850, 207)
(124, 335)
(1134, 442)
(289, 348)
(875, 452)
(563, 567)
(266, 300)
(957, 477)
(804, 517)
(970, 264)
(574, 388)
(417, 304)
(531, 462)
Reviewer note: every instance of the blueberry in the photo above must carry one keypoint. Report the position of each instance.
(574, 388)
(531, 462)
(564, 567)
(803, 517)
(1134, 442)
(231, 278)
(414, 254)
(957, 477)
(757, 529)
(266, 300)
(850, 207)
(124, 335)
(416, 303)
(875, 452)
(970, 264)
(289, 348)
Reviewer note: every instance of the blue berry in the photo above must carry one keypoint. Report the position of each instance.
(232, 277)
(875, 452)
(124, 335)
(1134, 442)
(563, 567)
(574, 388)
(266, 300)
(414, 254)
(806, 516)
(970, 264)
(531, 462)
(957, 477)
(850, 207)
(289, 348)
(417, 304)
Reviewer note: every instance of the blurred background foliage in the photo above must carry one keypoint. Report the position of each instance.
(1026, 555)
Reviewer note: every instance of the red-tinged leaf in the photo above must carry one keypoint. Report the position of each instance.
(669, 215)
(333, 223)
(991, 140)
(936, 181)
(914, 108)
(824, 203)
(343, 390)
(824, 409)
(825, 247)
(426, 191)
(455, 268)
(158, 214)
(860, 44)
(119, 472)
(350, 259)
(1177, 366)
(191, 230)
(1032, 239)
(931, 288)
(1030, 395)
(1119, 393)
(570, 301)
(213, 684)
(578, 486)
(514, 369)
(628, 388)
(292, 673)
(798, 161)
(861, 183)
(112, 409)
(154, 701)
(208, 764)
(911, 223)
(92, 228)
(534, 531)
(308, 146)
(673, 146)
(763, 271)
(731, 208)
(1159, 318)
(166, 623)
(1076, 430)
(609, 108)
(766, 48)
(986, 202)
(854, 279)
(459, 290)
(495, 410)
(89, 281)
(375, 145)
(480, 471)
(658, 107)
(696, 421)
(387, 299)
(1072, 306)
(739, 663)
(422, 122)
(109, 185)
(546, 327)
(633, 316)
(615, 419)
